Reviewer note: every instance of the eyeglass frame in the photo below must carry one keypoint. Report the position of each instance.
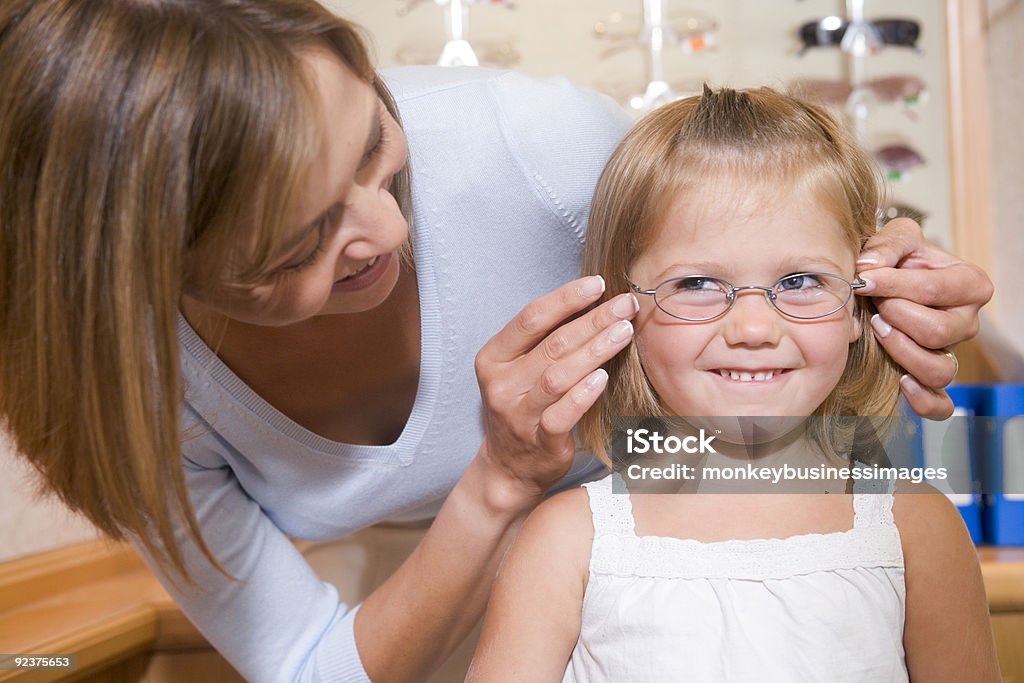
(769, 295)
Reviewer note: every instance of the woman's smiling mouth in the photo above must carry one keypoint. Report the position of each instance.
(365, 276)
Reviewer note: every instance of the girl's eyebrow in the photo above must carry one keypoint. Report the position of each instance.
(716, 268)
(690, 268)
(800, 263)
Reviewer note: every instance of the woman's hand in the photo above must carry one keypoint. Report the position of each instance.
(928, 300)
(539, 375)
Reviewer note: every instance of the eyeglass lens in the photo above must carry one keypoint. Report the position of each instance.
(802, 295)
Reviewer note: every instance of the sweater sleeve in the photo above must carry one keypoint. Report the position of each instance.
(278, 621)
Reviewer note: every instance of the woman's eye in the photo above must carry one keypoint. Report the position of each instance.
(383, 137)
(308, 260)
(326, 221)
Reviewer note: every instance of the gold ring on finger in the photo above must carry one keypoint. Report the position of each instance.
(956, 363)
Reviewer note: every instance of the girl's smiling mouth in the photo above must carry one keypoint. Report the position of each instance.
(750, 375)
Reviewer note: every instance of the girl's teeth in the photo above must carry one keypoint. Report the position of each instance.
(742, 376)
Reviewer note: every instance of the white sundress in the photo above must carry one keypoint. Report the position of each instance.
(814, 607)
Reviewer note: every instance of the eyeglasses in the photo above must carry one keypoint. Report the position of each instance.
(700, 298)
(830, 32)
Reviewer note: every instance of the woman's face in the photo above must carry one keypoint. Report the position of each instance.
(753, 361)
(339, 253)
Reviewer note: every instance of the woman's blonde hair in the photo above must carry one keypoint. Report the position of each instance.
(754, 136)
(145, 146)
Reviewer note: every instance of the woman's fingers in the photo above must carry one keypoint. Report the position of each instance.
(929, 371)
(900, 240)
(557, 378)
(537, 319)
(934, 369)
(959, 284)
(573, 335)
(928, 300)
(926, 402)
(540, 374)
(560, 417)
(931, 328)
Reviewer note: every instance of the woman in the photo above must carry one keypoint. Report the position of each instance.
(240, 161)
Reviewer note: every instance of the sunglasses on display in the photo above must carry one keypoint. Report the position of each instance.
(908, 90)
(903, 211)
(838, 32)
(898, 160)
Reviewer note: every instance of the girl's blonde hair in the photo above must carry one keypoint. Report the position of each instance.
(755, 136)
(145, 146)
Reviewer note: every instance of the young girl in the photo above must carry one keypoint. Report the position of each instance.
(768, 193)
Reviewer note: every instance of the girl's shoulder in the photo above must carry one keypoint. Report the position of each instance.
(561, 526)
(929, 525)
(563, 514)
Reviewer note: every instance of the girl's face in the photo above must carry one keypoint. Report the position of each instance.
(340, 253)
(746, 236)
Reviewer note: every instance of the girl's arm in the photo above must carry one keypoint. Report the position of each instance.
(948, 632)
(533, 617)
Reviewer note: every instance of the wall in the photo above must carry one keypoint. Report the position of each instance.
(1006, 102)
(30, 523)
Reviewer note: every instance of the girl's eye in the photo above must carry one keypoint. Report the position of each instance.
(694, 284)
(801, 281)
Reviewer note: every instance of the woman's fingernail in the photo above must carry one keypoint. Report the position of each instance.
(881, 328)
(625, 306)
(868, 287)
(597, 379)
(868, 258)
(620, 331)
(910, 384)
(591, 286)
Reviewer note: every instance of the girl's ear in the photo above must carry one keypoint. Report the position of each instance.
(857, 327)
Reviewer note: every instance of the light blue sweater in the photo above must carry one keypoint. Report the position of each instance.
(504, 167)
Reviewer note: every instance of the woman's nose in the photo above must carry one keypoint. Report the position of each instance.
(752, 320)
(377, 224)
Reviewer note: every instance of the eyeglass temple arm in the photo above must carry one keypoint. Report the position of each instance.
(636, 289)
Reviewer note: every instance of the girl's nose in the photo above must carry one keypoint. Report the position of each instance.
(752, 321)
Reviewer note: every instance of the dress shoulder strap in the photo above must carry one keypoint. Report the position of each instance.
(872, 503)
(612, 512)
